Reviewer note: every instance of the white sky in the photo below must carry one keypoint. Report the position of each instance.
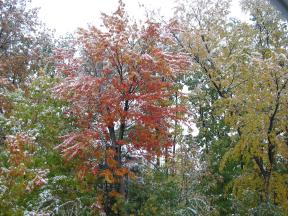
(67, 15)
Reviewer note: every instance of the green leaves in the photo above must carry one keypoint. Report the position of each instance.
(35, 124)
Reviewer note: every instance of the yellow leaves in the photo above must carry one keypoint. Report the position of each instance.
(250, 181)
(267, 53)
(234, 153)
(224, 160)
(253, 182)
(280, 189)
(282, 148)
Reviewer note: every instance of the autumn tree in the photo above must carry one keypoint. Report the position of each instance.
(123, 105)
(261, 118)
(235, 61)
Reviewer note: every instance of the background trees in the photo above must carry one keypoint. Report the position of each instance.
(260, 135)
(23, 40)
(227, 63)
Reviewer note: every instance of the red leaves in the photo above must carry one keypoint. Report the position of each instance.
(133, 88)
(95, 171)
(121, 142)
(77, 144)
(152, 32)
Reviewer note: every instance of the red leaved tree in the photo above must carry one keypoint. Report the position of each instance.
(121, 96)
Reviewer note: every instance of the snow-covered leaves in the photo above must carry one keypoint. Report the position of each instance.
(127, 99)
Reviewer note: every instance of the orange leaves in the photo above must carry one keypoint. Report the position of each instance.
(113, 176)
(121, 171)
(113, 171)
(112, 163)
(115, 194)
(108, 176)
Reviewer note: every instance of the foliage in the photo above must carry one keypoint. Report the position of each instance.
(99, 123)
(239, 98)
(28, 159)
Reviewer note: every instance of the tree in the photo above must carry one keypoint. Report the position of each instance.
(17, 25)
(204, 32)
(25, 47)
(29, 164)
(226, 71)
(123, 105)
(258, 110)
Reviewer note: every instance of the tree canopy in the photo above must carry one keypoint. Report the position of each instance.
(101, 122)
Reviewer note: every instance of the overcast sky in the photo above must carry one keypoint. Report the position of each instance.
(67, 15)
